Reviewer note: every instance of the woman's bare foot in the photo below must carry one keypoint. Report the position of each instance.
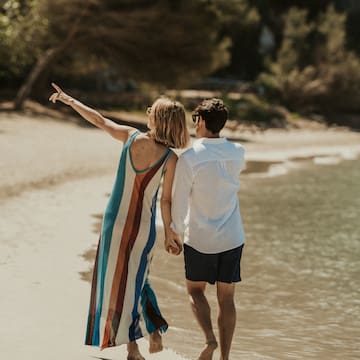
(155, 343)
(133, 351)
(207, 353)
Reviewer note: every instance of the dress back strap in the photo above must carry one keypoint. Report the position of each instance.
(166, 158)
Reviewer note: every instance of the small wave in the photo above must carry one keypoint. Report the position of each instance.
(264, 169)
(276, 169)
(182, 330)
(349, 154)
(168, 283)
(119, 352)
(327, 160)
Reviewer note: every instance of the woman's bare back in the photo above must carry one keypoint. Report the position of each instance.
(145, 152)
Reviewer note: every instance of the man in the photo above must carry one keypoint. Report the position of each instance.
(205, 208)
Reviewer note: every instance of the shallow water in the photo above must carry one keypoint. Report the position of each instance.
(300, 295)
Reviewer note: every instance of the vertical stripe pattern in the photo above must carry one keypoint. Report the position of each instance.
(123, 306)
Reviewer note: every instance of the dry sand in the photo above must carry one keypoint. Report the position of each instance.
(54, 180)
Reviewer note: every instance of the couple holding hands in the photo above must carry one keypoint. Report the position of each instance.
(199, 203)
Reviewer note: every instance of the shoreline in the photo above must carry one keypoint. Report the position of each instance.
(39, 152)
(55, 179)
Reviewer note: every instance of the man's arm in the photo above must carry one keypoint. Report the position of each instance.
(180, 194)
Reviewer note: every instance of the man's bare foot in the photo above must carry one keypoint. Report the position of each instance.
(155, 342)
(207, 353)
(133, 351)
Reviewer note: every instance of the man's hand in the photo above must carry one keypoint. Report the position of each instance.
(60, 95)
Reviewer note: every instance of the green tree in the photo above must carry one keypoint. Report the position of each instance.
(13, 58)
(241, 23)
(159, 41)
(313, 69)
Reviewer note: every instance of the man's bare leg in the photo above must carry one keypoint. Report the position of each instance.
(155, 342)
(133, 351)
(227, 317)
(202, 312)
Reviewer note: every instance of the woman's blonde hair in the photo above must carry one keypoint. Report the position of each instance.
(169, 122)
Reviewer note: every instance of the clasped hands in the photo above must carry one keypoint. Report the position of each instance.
(173, 244)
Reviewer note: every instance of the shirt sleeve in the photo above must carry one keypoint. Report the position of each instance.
(243, 160)
(180, 195)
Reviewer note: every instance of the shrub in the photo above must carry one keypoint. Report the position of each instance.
(313, 70)
(250, 109)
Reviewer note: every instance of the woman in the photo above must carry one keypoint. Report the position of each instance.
(120, 287)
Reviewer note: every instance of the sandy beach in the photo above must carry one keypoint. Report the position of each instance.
(54, 180)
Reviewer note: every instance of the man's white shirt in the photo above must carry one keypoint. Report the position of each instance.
(205, 205)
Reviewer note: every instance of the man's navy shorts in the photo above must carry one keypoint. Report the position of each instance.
(223, 267)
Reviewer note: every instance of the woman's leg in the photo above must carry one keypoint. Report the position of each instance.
(155, 323)
(155, 342)
(133, 351)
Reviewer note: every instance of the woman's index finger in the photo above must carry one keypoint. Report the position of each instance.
(56, 87)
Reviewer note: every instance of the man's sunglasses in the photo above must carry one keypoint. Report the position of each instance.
(195, 118)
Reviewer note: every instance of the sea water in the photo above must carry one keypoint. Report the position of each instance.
(300, 294)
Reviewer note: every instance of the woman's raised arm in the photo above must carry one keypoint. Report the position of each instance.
(120, 132)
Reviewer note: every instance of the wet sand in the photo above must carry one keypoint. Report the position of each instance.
(54, 181)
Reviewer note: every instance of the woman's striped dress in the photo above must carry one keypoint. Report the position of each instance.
(123, 306)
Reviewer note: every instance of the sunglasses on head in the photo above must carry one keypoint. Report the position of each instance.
(195, 118)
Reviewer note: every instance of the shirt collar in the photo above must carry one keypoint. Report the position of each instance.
(206, 140)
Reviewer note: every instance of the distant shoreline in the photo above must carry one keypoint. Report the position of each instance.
(38, 152)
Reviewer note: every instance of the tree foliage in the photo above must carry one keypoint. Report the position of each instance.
(174, 43)
(313, 70)
(241, 22)
(14, 25)
(158, 41)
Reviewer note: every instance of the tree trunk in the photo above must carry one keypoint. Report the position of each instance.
(42, 63)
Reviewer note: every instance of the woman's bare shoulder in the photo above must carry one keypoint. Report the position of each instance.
(171, 162)
(142, 139)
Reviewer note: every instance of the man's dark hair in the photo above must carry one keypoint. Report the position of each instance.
(214, 113)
